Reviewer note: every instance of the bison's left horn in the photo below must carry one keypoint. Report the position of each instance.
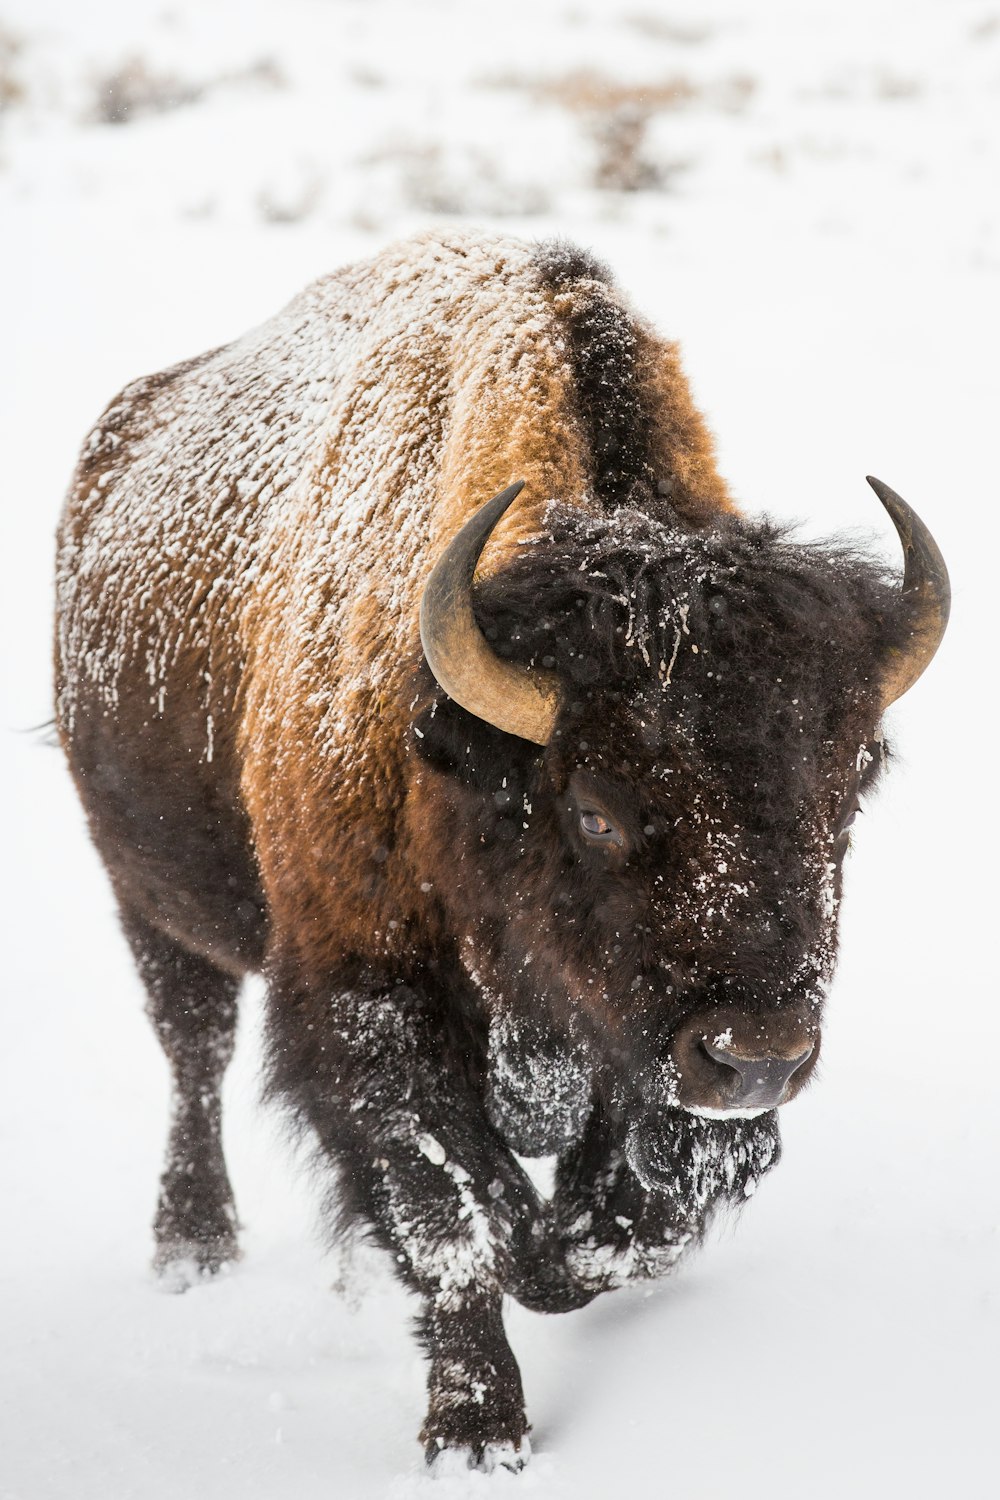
(926, 589)
(519, 700)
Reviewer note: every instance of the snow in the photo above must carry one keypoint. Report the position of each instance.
(815, 218)
(708, 1113)
(432, 1149)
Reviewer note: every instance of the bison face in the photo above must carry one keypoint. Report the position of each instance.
(635, 918)
(648, 904)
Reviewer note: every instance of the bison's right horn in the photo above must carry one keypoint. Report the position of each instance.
(519, 700)
(925, 584)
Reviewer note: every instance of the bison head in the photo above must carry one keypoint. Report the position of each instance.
(644, 770)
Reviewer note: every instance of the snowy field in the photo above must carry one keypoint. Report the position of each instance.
(805, 192)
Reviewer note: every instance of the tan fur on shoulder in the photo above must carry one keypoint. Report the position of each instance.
(283, 501)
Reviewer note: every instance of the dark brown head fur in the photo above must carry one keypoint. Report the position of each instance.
(722, 700)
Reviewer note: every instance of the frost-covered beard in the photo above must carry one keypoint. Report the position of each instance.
(541, 1089)
(540, 1081)
(563, 1031)
(697, 1161)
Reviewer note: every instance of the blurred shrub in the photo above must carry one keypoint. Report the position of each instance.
(134, 89)
(11, 87)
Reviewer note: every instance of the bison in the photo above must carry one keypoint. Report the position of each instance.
(533, 815)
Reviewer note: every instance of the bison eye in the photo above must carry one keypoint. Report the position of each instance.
(597, 830)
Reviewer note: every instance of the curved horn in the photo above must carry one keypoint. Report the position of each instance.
(516, 699)
(925, 582)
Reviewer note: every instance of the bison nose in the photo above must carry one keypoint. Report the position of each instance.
(754, 1082)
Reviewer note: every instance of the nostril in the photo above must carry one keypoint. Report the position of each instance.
(758, 1080)
(726, 1060)
(802, 1059)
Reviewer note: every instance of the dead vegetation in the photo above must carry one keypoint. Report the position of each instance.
(585, 91)
(895, 86)
(293, 200)
(440, 181)
(661, 29)
(11, 87)
(622, 162)
(616, 115)
(133, 89)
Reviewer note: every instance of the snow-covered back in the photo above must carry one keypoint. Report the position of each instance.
(803, 192)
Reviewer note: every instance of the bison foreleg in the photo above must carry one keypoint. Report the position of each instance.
(615, 1226)
(394, 1108)
(610, 1228)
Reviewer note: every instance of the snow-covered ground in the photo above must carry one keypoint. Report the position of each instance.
(805, 193)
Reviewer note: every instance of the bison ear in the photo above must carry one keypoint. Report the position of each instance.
(475, 753)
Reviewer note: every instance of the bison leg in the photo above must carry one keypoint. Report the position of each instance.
(192, 1006)
(613, 1226)
(396, 1109)
(611, 1229)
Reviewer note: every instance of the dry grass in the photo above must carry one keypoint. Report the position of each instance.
(616, 115)
(134, 89)
(435, 180)
(11, 87)
(294, 201)
(893, 86)
(622, 163)
(660, 29)
(586, 91)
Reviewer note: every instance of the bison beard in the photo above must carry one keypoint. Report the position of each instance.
(612, 946)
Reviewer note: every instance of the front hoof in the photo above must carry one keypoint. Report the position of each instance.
(481, 1434)
(541, 1278)
(450, 1462)
(180, 1264)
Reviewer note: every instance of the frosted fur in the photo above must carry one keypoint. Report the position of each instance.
(361, 405)
(853, 316)
(540, 1087)
(452, 1245)
(462, 1253)
(698, 1162)
(609, 1267)
(456, 972)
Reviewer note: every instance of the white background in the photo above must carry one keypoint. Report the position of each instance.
(810, 203)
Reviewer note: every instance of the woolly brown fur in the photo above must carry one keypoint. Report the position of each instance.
(276, 782)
